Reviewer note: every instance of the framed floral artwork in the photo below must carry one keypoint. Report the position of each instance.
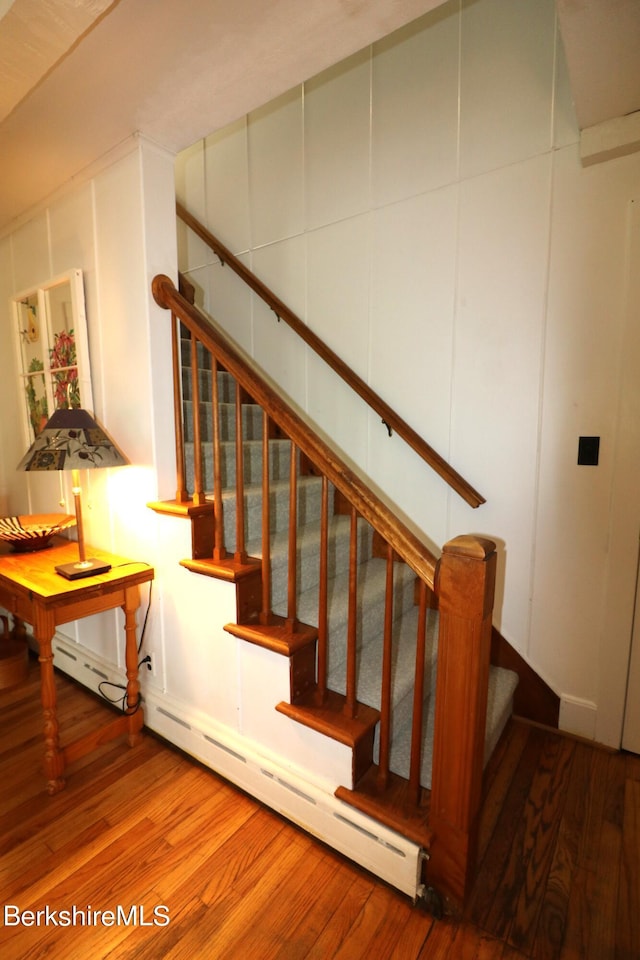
(50, 332)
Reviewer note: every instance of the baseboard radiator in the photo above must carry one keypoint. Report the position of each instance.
(368, 843)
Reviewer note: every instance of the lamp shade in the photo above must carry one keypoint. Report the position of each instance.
(72, 440)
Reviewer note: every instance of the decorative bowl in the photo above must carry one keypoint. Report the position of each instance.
(27, 533)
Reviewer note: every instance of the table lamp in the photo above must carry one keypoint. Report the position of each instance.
(72, 440)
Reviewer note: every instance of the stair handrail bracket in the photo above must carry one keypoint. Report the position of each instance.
(391, 420)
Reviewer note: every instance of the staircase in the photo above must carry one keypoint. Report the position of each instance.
(387, 646)
(371, 571)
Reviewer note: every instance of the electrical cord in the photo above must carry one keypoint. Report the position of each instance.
(121, 700)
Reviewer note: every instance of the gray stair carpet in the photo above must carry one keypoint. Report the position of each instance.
(371, 576)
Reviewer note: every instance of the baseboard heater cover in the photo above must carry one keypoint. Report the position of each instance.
(311, 806)
(373, 846)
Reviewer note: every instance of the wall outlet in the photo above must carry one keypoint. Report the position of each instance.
(588, 451)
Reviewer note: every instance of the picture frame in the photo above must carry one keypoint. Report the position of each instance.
(52, 350)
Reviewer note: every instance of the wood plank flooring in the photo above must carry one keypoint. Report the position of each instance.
(208, 872)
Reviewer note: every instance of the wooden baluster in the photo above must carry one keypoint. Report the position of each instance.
(265, 613)
(323, 600)
(292, 585)
(198, 478)
(182, 494)
(465, 587)
(418, 699)
(240, 553)
(352, 617)
(219, 551)
(385, 693)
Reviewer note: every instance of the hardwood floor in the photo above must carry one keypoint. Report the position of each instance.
(148, 829)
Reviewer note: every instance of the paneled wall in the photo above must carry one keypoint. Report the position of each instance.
(422, 206)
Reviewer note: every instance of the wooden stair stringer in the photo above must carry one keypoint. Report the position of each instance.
(297, 642)
(229, 569)
(201, 517)
(246, 576)
(330, 718)
(390, 804)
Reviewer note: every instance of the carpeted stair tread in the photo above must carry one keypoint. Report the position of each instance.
(308, 554)
(502, 685)
(251, 420)
(226, 385)
(279, 462)
(368, 686)
(371, 584)
(371, 573)
(309, 505)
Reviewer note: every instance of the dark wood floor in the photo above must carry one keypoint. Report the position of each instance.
(149, 828)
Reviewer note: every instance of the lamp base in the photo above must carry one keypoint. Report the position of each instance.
(82, 568)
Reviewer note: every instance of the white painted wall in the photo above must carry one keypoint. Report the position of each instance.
(102, 226)
(423, 207)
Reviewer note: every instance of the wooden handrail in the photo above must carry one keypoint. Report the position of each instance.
(389, 417)
(381, 518)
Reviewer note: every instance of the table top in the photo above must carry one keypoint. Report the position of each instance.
(34, 573)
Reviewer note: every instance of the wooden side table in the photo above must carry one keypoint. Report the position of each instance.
(34, 593)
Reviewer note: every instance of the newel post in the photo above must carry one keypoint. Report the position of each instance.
(465, 586)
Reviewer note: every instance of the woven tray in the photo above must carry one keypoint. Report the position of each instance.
(26, 533)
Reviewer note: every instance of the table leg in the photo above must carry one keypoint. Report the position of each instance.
(44, 629)
(18, 631)
(134, 706)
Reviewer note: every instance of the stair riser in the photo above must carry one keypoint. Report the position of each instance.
(308, 560)
(226, 385)
(279, 463)
(502, 684)
(402, 686)
(309, 506)
(370, 599)
(370, 630)
(251, 421)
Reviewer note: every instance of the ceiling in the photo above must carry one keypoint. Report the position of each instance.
(601, 39)
(79, 77)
